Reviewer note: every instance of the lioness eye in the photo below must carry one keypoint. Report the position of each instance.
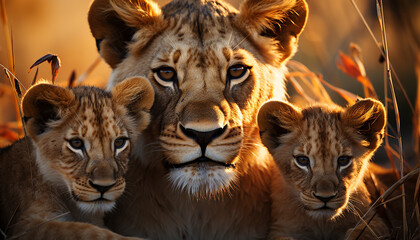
(344, 161)
(120, 142)
(238, 73)
(302, 161)
(76, 143)
(165, 76)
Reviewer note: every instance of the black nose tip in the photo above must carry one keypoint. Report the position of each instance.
(325, 199)
(100, 188)
(203, 138)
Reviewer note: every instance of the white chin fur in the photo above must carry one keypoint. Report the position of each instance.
(204, 182)
(95, 207)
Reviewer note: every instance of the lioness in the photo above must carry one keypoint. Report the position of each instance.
(200, 171)
(323, 154)
(70, 170)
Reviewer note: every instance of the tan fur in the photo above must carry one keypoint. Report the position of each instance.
(302, 192)
(183, 189)
(50, 191)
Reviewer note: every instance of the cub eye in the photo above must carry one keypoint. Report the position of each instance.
(120, 143)
(344, 161)
(238, 73)
(165, 76)
(76, 143)
(302, 161)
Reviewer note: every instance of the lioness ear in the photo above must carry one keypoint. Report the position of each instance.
(137, 96)
(280, 20)
(276, 119)
(368, 118)
(43, 103)
(114, 22)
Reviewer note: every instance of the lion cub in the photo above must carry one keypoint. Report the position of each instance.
(70, 170)
(323, 154)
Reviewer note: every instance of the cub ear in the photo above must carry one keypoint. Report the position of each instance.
(136, 94)
(276, 119)
(113, 23)
(368, 118)
(43, 103)
(280, 20)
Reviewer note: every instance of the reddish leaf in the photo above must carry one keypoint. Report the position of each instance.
(348, 66)
(8, 134)
(355, 69)
(55, 62)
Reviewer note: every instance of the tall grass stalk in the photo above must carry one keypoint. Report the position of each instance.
(9, 46)
(381, 50)
(379, 6)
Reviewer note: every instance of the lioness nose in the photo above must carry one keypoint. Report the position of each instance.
(203, 138)
(100, 188)
(325, 199)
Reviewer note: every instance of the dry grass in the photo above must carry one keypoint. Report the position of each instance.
(311, 88)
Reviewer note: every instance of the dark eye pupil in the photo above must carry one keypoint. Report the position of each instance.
(237, 72)
(76, 143)
(304, 161)
(343, 160)
(119, 143)
(166, 73)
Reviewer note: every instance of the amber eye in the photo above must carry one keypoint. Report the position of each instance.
(120, 142)
(302, 161)
(166, 73)
(344, 161)
(76, 143)
(237, 72)
(165, 76)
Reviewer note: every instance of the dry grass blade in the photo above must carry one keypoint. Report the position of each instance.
(381, 50)
(31, 228)
(299, 88)
(17, 88)
(381, 18)
(18, 94)
(346, 95)
(416, 126)
(7, 35)
(10, 53)
(71, 79)
(3, 234)
(89, 70)
(55, 62)
(35, 77)
(388, 193)
(307, 83)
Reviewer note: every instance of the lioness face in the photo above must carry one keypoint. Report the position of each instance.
(210, 77)
(323, 151)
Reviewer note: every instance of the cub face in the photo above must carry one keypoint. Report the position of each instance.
(211, 67)
(323, 151)
(83, 137)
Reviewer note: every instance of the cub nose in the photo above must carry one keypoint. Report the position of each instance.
(325, 199)
(102, 189)
(203, 138)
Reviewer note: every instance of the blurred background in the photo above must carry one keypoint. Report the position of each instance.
(60, 27)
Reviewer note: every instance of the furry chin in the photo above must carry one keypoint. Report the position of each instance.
(96, 207)
(203, 182)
